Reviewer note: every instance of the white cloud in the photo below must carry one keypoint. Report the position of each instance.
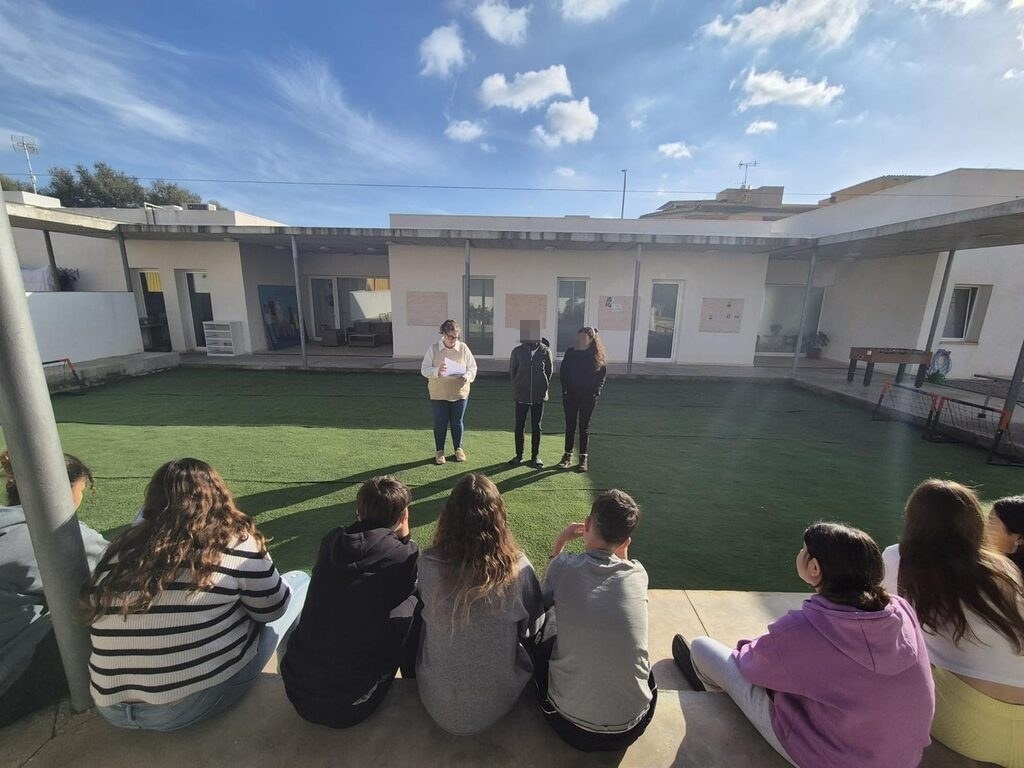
(638, 118)
(1020, 36)
(762, 126)
(773, 87)
(1015, 4)
(464, 130)
(569, 122)
(488, 148)
(564, 172)
(527, 89)
(504, 24)
(1013, 74)
(442, 52)
(676, 150)
(832, 22)
(588, 10)
(949, 7)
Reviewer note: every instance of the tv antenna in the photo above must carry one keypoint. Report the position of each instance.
(29, 147)
(746, 166)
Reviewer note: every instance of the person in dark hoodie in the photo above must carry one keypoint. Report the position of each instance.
(357, 621)
(582, 374)
(31, 673)
(530, 369)
(843, 682)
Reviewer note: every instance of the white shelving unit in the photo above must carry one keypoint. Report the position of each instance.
(223, 339)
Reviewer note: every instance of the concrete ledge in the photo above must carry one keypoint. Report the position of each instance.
(104, 369)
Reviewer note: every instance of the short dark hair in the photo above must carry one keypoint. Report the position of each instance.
(76, 471)
(616, 515)
(449, 326)
(381, 501)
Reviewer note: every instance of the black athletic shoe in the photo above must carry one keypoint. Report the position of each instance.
(536, 463)
(566, 461)
(584, 464)
(681, 655)
(515, 461)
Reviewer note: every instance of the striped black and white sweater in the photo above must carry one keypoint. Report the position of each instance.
(188, 640)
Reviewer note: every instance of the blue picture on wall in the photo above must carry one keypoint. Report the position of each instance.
(280, 315)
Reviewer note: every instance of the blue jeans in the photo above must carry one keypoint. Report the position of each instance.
(208, 702)
(448, 413)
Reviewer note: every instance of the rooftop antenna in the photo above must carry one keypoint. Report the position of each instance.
(28, 146)
(746, 166)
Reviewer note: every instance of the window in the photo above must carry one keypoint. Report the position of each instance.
(572, 312)
(479, 330)
(961, 311)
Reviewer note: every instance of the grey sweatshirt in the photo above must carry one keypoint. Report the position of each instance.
(470, 678)
(24, 617)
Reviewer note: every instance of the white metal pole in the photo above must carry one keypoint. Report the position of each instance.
(636, 301)
(298, 301)
(803, 312)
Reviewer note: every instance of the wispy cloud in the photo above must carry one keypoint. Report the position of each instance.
(675, 150)
(504, 24)
(90, 64)
(762, 126)
(464, 131)
(832, 22)
(588, 10)
(569, 122)
(527, 89)
(773, 87)
(442, 52)
(564, 172)
(1013, 74)
(949, 7)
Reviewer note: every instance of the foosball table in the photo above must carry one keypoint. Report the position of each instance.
(898, 355)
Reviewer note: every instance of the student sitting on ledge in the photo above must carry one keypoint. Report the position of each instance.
(357, 620)
(594, 677)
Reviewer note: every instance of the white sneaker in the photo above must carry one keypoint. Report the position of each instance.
(439, 458)
(460, 455)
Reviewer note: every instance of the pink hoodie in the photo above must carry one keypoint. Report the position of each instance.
(851, 688)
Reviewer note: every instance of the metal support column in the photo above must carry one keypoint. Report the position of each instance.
(636, 302)
(465, 294)
(124, 261)
(298, 301)
(51, 259)
(940, 302)
(803, 312)
(38, 462)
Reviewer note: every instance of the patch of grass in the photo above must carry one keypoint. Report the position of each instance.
(728, 474)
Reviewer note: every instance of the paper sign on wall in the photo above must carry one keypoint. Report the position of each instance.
(721, 315)
(426, 308)
(614, 313)
(525, 306)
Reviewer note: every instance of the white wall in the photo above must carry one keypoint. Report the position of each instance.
(84, 326)
(705, 275)
(583, 224)
(97, 259)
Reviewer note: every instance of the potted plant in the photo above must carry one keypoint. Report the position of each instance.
(814, 343)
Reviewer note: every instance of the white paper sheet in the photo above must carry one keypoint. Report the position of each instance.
(453, 368)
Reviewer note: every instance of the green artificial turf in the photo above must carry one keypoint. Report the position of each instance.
(727, 474)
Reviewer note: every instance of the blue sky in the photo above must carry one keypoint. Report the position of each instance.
(550, 93)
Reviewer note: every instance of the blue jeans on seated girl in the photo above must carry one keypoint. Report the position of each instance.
(448, 413)
(206, 703)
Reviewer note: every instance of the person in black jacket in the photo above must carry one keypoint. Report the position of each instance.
(582, 374)
(357, 623)
(530, 368)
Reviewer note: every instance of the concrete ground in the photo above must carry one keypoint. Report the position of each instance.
(703, 730)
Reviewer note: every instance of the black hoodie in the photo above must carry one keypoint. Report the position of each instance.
(345, 641)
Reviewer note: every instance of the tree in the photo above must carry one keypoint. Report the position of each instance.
(103, 187)
(162, 192)
(7, 184)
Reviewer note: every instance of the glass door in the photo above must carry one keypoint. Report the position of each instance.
(200, 303)
(780, 318)
(661, 332)
(322, 300)
(572, 312)
(479, 331)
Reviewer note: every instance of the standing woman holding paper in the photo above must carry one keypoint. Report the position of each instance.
(449, 368)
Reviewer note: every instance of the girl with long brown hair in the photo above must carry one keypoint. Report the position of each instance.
(481, 608)
(582, 374)
(186, 606)
(970, 602)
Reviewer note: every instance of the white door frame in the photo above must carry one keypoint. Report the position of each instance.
(185, 303)
(557, 353)
(676, 321)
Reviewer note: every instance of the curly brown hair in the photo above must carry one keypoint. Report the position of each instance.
(474, 540)
(188, 519)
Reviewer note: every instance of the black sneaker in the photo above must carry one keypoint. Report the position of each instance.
(515, 461)
(584, 464)
(681, 655)
(536, 463)
(566, 461)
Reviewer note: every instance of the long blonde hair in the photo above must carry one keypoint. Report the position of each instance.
(474, 541)
(188, 519)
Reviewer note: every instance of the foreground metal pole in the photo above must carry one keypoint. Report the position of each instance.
(38, 461)
(298, 300)
(803, 312)
(940, 301)
(636, 301)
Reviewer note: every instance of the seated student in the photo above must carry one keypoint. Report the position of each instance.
(597, 690)
(970, 601)
(1005, 528)
(481, 604)
(186, 606)
(31, 672)
(842, 682)
(356, 622)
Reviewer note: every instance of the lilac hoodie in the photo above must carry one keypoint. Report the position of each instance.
(851, 688)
